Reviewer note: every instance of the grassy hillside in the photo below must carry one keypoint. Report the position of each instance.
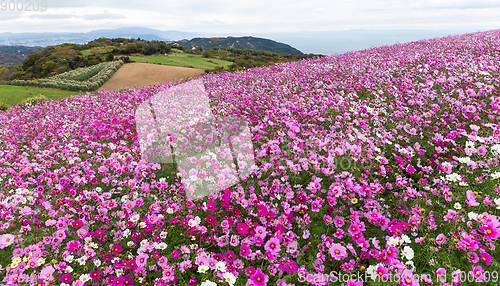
(183, 60)
(11, 95)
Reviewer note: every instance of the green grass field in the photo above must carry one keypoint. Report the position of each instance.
(98, 50)
(183, 60)
(11, 95)
(87, 53)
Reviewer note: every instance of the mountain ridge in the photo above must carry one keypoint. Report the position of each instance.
(246, 42)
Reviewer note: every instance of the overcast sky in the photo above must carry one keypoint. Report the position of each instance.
(254, 16)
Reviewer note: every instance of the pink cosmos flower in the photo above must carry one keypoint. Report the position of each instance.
(46, 273)
(490, 231)
(338, 252)
(478, 273)
(245, 250)
(410, 169)
(163, 262)
(486, 258)
(441, 239)
(116, 249)
(95, 275)
(339, 233)
(235, 241)
(382, 272)
(339, 221)
(353, 283)
(65, 278)
(471, 199)
(315, 206)
(472, 257)
(242, 228)
(211, 206)
(408, 279)
(142, 259)
(74, 246)
(81, 283)
(327, 219)
(6, 240)
(250, 271)
(439, 273)
(272, 245)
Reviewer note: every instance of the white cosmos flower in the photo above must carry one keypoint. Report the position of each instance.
(84, 277)
(463, 159)
(372, 270)
(457, 206)
(495, 175)
(221, 266)
(472, 216)
(202, 269)
(161, 245)
(208, 283)
(497, 202)
(453, 177)
(229, 277)
(392, 241)
(405, 238)
(408, 252)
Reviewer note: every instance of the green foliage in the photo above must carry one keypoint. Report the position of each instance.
(125, 59)
(82, 79)
(3, 106)
(2, 71)
(207, 54)
(32, 101)
(216, 69)
(11, 55)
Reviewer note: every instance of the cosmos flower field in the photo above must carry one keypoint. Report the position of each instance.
(375, 167)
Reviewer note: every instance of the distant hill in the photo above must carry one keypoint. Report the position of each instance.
(10, 55)
(239, 43)
(53, 39)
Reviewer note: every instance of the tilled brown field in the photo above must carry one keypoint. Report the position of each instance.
(140, 74)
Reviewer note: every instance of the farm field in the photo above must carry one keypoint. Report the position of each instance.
(375, 167)
(10, 94)
(183, 60)
(140, 74)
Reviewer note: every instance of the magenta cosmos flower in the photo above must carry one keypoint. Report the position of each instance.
(259, 278)
(242, 228)
(490, 231)
(116, 248)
